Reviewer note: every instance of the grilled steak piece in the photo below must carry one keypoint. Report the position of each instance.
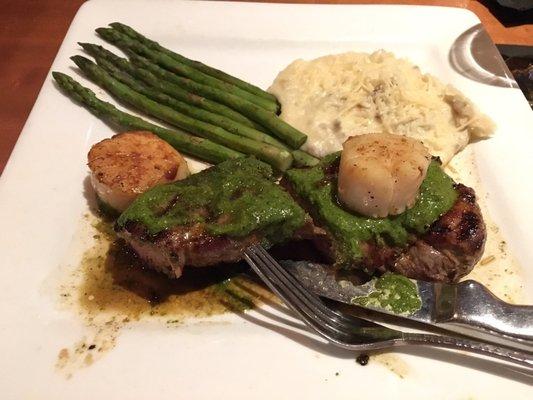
(210, 217)
(172, 249)
(439, 239)
(449, 249)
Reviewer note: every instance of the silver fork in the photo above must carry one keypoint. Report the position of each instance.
(353, 333)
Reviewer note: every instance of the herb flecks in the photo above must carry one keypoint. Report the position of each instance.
(394, 293)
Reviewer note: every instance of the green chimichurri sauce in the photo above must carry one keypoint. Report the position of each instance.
(394, 293)
(233, 198)
(318, 187)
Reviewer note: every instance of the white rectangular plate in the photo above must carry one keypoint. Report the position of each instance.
(42, 203)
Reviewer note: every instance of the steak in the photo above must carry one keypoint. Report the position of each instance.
(448, 251)
(213, 216)
(417, 244)
(169, 251)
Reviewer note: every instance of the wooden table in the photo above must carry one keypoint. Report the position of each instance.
(31, 32)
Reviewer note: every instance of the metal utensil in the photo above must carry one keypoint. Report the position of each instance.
(468, 308)
(354, 333)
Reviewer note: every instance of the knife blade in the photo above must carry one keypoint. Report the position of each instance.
(467, 308)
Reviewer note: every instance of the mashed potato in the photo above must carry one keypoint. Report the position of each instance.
(334, 97)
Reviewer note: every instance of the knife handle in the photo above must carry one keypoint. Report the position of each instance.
(470, 308)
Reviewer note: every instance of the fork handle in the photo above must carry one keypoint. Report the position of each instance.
(523, 359)
(470, 308)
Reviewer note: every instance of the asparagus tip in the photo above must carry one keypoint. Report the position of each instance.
(102, 30)
(63, 80)
(58, 75)
(81, 61)
(90, 47)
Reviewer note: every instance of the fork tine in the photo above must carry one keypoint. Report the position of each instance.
(292, 296)
(294, 303)
(343, 323)
(275, 267)
(377, 336)
(313, 303)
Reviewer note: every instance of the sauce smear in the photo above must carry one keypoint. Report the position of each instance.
(110, 288)
(116, 282)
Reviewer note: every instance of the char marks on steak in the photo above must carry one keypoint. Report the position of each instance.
(446, 252)
(452, 245)
(170, 250)
(450, 248)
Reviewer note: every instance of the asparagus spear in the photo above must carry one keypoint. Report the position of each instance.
(278, 158)
(301, 159)
(126, 43)
(191, 111)
(275, 125)
(108, 59)
(197, 147)
(171, 90)
(127, 30)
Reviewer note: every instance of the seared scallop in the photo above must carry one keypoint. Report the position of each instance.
(130, 163)
(380, 174)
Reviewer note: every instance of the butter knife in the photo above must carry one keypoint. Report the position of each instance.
(467, 308)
